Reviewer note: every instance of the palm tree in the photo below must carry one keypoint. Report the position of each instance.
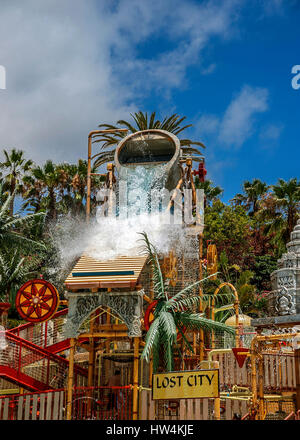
(280, 210)
(32, 194)
(49, 178)
(10, 226)
(173, 124)
(14, 270)
(171, 315)
(72, 186)
(16, 166)
(211, 192)
(287, 198)
(253, 192)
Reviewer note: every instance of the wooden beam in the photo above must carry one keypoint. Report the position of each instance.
(297, 370)
(70, 379)
(113, 327)
(107, 334)
(135, 379)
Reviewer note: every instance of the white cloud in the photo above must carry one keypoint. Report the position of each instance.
(271, 132)
(208, 124)
(73, 64)
(209, 69)
(237, 124)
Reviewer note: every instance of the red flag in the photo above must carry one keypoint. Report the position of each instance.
(241, 355)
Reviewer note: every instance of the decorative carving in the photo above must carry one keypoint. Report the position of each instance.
(127, 305)
(285, 302)
(286, 279)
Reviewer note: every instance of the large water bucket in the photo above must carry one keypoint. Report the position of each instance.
(150, 148)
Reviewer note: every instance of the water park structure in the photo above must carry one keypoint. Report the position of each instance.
(82, 354)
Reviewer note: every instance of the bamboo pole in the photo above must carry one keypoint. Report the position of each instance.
(70, 379)
(135, 379)
(297, 370)
(236, 309)
(91, 364)
(201, 333)
(89, 165)
(253, 377)
(217, 407)
(261, 387)
(107, 334)
(150, 372)
(91, 356)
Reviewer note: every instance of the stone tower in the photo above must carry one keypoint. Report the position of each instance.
(286, 279)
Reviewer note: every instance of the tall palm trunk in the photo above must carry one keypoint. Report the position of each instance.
(12, 200)
(52, 204)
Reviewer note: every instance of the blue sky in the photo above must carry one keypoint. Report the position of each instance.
(71, 65)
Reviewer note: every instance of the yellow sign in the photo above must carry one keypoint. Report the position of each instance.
(185, 384)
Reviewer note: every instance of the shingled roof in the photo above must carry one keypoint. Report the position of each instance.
(89, 273)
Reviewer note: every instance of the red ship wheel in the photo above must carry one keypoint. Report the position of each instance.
(37, 300)
(149, 318)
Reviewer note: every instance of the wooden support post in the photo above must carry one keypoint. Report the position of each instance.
(213, 318)
(150, 372)
(70, 379)
(253, 354)
(261, 386)
(297, 370)
(201, 333)
(135, 379)
(217, 407)
(91, 367)
(91, 355)
(237, 335)
(89, 165)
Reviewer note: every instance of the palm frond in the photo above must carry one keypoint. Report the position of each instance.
(168, 326)
(159, 285)
(196, 321)
(152, 340)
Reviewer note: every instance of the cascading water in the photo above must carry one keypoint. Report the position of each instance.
(147, 163)
(142, 185)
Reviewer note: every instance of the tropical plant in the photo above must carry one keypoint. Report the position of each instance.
(14, 270)
(253, 192)
(172, 315)
(280, 211)
(49, 179)
(243, 280)
(10, 226)
(263, 267)
(173, 124)
(229, 228)
(211, 192)
(287, 198)
(15, 166)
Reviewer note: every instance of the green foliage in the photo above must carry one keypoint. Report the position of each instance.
(15, 269)
(229, 228)
(211, 192)
(264, 265)
(141, 121)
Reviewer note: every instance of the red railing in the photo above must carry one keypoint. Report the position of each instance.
(45, 334)
(34, 367)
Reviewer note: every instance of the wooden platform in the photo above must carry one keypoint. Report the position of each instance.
(89, 273)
